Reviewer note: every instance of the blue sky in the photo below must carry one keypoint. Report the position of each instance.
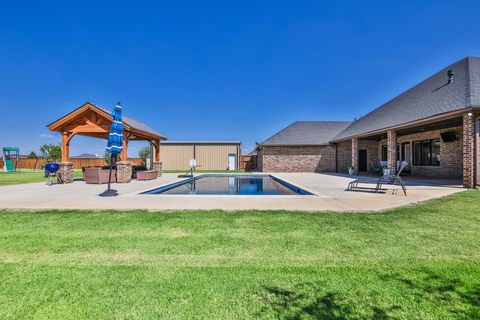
(218, 70)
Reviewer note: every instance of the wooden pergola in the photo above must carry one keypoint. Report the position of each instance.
(94, 121)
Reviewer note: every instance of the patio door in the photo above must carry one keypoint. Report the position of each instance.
(406, 155)
(362, 160)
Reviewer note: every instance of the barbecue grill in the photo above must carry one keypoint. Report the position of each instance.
(51, 170)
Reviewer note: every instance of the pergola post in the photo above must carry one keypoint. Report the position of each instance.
(157, 150)
(65, 171)
(65, 147)
(124, 154)
(157, 165)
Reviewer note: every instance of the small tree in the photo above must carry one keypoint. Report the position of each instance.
(32, 155)
(144, 153)
(51, 152)
(107, 156)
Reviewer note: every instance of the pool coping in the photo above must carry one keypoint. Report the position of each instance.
(290, 185)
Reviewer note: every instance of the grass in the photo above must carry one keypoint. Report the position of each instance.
(416, 262)
(28, 176)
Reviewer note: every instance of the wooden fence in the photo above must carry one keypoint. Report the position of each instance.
(247, 163)
(77, 163)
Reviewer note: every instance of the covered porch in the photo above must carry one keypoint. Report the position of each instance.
(443, 148)
(94, 121)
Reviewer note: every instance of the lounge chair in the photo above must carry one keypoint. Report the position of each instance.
(385, 180)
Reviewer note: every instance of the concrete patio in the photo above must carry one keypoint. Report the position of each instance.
(328, 189)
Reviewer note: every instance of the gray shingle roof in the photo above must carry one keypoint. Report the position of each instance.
(133, 123)
(430, 97)
(307, 133)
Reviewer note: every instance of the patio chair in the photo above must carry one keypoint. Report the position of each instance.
(376, 169)
(385, 180)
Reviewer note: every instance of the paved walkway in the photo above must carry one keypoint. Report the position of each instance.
(328, 189)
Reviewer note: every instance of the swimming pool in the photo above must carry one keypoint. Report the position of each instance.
(251, 184)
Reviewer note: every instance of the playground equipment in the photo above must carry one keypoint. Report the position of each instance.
(10, 154)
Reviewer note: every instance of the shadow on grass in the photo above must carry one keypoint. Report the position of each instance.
(428, 289)
(461, 299)
(302, 302)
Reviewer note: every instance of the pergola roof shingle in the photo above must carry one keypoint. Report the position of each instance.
(134, 123)
(94, 121)
(128, 122)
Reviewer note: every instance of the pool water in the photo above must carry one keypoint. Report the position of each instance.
(231, 185)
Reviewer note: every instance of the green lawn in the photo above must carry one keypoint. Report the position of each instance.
(27, 176)
(418, 262)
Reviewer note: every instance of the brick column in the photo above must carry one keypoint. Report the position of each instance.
(124, 172)
(392, 151)
(65, 172)
(355, 155)
(157, 166)
(468, 151)
(477, 149)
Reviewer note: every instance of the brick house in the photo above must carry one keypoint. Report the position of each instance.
(432, 128)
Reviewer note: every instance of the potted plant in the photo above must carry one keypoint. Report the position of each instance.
(350, 171)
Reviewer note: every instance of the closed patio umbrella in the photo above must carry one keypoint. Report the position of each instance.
(114, 145)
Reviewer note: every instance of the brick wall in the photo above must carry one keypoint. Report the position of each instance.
(124, 172)
(344, 156)
(298, 159)
(372, 154)
(451, 154)
(339, 158)
(477, 148)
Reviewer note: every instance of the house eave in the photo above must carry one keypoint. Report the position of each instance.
(407, 125)
(296, 145)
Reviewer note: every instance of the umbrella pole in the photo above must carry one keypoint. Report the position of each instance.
(109, 192)
(110, 174)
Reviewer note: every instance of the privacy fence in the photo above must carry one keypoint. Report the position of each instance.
(246, 163)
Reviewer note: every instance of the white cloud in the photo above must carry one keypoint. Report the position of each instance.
(46, 135)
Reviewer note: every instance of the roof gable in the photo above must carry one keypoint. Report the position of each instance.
(130, 124)
(306, 133)
(433, 96)
(135, 124)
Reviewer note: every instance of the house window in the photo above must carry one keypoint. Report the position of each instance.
(384, 152)
(406, 152)
(426, 153)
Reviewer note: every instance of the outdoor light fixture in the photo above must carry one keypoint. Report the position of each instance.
(469, 114)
